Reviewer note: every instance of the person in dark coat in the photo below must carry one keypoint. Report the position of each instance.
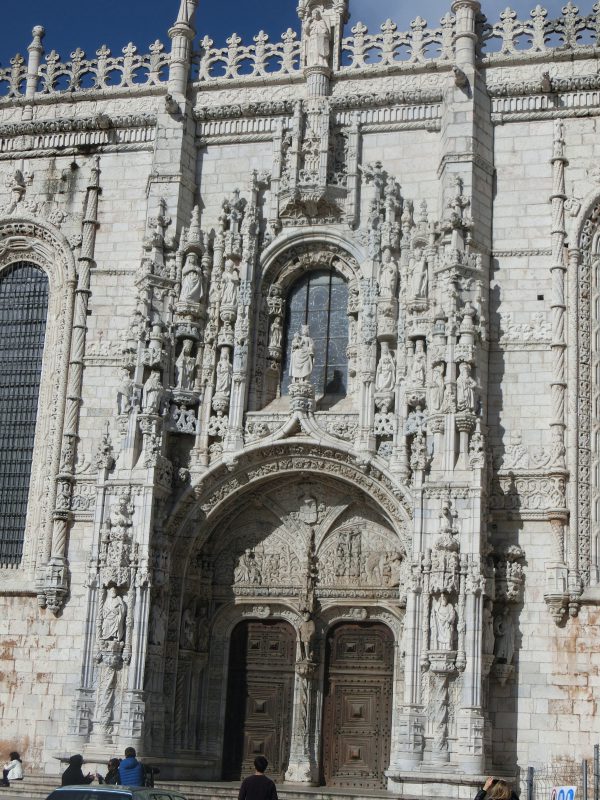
(73, 775)
(258, 786)
(112, 776)
(131, 771)
(496, 789)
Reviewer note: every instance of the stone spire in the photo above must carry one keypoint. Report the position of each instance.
(182, 35)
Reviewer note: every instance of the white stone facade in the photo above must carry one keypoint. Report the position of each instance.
(450, 494)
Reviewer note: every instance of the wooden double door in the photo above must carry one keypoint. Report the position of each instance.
(260, 698)
(357, 712)
(357, 708)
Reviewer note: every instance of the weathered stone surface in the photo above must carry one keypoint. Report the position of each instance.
(191, 472)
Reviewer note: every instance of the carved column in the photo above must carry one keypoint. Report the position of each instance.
(558, 302)
(234, 438)
(103, 726)
(573, 531)
(442, 667)
(407, 744)
(133, 705)
(56, 583)
(471, 722)
(558, 578)
(35, 50)
(368, 361)
(302, 767)
(465, 38)
(353, 178)
(182, 36)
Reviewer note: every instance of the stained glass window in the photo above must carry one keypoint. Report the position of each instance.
(320, 300)
(23, 310)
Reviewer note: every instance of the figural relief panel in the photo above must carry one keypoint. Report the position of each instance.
(279, 539)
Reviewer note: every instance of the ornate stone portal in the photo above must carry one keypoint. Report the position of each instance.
(327, 428)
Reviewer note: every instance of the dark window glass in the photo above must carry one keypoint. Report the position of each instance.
(23, 310)
(86, 794)
(320, 300)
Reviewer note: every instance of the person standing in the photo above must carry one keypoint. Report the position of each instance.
(258, 786)
(131, 771)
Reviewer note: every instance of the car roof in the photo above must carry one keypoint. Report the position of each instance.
(124, 790)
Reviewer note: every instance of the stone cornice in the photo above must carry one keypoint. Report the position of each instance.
(386, 99)
(575, 83)
(99, 122)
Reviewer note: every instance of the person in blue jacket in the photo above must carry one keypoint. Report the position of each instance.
(131, 771)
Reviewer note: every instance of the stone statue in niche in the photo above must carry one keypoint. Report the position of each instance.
(307, 634)
(419, 364)
(114, 612)
(191, 280)
(385, 378)
(230, 281)
(276, 334)
(388, 276)
(465, 386)
(504, 630)
(443, 621)
(203, 631)
(420, 276)
(224, 373)
(125, 393)
(158, 621)
(153, 393)
(185, 367)
(116, 542)
(488, 639)
(303, 355)
(247, 570)
(188, 628)
(318, 39)
(436, 397)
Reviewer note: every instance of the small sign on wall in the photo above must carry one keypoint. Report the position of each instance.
(563, 793)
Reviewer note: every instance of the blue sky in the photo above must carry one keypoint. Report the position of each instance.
(73, 23)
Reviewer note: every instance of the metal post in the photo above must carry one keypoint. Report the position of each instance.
(596, 771)
(530, 783)
(584, 778)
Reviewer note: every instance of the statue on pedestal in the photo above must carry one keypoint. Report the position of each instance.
(318, 36)
(303, 355)
(185, 366)
(443, 620)
(465, 385)
(114, 611)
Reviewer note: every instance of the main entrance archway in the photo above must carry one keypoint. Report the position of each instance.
(357, 710)
(259, 697)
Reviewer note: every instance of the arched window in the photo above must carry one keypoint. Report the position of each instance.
(320, 300)
(23, 311)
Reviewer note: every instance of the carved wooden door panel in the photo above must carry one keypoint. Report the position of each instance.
(357, 714)
(259, 698)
